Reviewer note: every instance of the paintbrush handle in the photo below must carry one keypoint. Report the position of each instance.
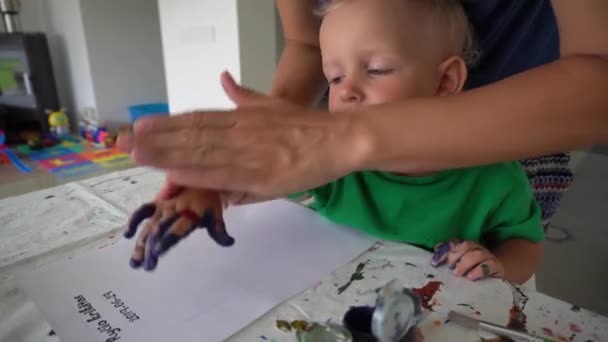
(517, 335)
(496, 329)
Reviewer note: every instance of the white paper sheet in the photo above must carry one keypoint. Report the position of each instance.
(200, 291)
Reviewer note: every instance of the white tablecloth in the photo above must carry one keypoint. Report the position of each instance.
(73, 219)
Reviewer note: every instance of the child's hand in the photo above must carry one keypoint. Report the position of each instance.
(468, 259)
(171, 220)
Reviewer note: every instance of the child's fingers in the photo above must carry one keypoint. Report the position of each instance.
(158, 230)
(468, 261)
(179, 228)
(441, 254)
(137, 257)
(150, 260)
(485, 269)
(216, 229)
(458, 249)
(220, 234)
(165, 226)
(169, 219)
(459, 246)
(185, 224)
(144, 212)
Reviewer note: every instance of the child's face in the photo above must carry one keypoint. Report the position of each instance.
(374, 52)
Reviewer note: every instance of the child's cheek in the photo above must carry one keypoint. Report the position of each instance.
(391, 89)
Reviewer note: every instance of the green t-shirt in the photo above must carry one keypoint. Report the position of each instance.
(486, 204)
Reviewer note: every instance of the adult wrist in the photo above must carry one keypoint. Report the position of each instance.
(355, 139)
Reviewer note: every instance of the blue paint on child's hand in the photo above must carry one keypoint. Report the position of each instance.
(135, 264)
(150, 258)
(144, 212)
(166, 243)
(440, 251)
(168, 234)
(216, 229)
(164, 227)
(220, 235)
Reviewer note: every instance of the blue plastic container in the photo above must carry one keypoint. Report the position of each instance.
(148, 109)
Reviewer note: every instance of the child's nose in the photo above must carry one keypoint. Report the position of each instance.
(351, 92)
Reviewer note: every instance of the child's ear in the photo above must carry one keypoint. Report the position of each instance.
(452, 76)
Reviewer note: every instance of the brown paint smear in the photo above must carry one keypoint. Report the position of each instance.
(427, 292)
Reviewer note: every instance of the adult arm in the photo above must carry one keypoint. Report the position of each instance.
(299, 76)
(274, 148)
(556, 107)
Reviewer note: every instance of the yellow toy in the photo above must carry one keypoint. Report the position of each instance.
(59, 123)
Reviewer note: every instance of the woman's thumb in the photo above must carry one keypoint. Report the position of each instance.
(241, 96)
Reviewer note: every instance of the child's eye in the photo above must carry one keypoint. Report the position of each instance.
(379, 72)
(335, 80)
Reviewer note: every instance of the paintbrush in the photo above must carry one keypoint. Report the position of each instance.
(473, 323)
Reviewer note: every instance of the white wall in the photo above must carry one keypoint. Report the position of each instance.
(109, 54)
(200, 40)
(68, 45)
(106, 54)
(258, 34)
(125, 53)
(33, 18)
(61, 21)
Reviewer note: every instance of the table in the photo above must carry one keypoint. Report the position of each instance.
(76, 218)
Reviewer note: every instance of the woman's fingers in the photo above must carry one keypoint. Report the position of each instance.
(125, 142)
(241, 96)
(169, 191)
(265, 148)
(236, 198)
(201, 157)
(266, 152)
(203, 120)
(193, 137)
(221, 178)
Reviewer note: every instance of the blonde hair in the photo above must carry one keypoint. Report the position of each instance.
(460, 29)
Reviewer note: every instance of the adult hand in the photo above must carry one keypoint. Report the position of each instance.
(266, 148)
(168, 191)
